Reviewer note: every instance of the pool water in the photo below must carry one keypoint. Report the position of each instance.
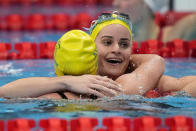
(129, 106)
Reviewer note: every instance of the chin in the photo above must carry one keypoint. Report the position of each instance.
(114, 74)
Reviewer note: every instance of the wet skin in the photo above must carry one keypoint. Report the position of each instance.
(114, 50)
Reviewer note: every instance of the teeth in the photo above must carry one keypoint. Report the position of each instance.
(114, 61)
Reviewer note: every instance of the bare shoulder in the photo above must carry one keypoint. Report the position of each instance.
(50, 96)
(141, 58)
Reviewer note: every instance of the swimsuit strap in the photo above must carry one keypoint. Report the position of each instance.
(62, 95)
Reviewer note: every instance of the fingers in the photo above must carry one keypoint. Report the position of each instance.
(106, 79)
(109, 84)
(94, 92)
(101, 88)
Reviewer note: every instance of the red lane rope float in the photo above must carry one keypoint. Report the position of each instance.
(83, 124)
(61, 21)
(81, 20)
(3, 25)
(4, 48)
(179, 123)
(192, 47)
(151, 47)
(162, 20)
(117, 123)
(1, 125)
(91, 2)
(165, 52)
(65, 2)
(36, 22)
(26, 50)
(20, 124)
(47, 50)
(52, 124)
(55, 2)
(14, 22)
(39, 21)
(178, 48)
(5, 2)
(146, 123)
(13, 56)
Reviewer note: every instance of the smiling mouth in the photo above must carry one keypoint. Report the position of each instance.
(114, 61)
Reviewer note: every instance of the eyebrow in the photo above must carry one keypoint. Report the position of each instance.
(112, 38)
(107, 37)
(124, 39)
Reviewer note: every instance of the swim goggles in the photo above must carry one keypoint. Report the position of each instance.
(110, 16)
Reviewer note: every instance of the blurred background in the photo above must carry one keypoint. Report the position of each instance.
(62, 15)
(47, 20)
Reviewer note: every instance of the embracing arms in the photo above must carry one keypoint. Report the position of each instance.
(38, 86)
(149, 69)
(171, 84)
(29, 87)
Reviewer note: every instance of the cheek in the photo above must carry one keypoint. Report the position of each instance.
(127, 55)
(101, 55)
(101, 49)
(100, 52)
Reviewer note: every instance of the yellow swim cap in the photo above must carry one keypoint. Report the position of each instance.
(108, 20)
(75, 54)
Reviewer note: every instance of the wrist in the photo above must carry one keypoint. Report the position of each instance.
(62, 83)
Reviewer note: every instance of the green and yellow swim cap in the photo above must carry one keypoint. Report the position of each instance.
(75, 54)
(106, 19)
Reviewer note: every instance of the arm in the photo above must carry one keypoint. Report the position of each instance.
(149, 69)
(171, 84)
(30, 87)
(38, 86)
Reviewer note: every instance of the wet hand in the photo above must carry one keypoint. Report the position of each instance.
(93, 84)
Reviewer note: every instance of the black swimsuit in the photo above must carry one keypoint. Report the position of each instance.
(62, 95)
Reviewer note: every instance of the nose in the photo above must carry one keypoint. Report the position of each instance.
(115, 48)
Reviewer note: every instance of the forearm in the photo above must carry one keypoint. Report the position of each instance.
(171, 84)
(31, 87)
(145, 77)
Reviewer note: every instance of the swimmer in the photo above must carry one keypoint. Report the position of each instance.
(75, 54)
(142, 16)
(113, 37)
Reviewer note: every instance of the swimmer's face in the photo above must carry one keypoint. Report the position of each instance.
(114, 49)
(131, 7)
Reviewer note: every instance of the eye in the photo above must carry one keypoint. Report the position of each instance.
(107, 42)
(124, 44)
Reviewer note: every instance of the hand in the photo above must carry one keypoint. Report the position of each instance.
(92, 84)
